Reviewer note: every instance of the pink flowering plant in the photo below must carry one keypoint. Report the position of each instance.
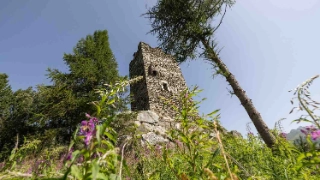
(98, 156)
(312, 132)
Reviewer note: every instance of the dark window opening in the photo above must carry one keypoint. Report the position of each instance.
(154, 73)
(165, 86)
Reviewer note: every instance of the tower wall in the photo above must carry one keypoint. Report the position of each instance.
(138, 90)
(162, 77)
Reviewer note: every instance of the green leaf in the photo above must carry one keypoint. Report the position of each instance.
(98, 109)
(214, 154)
(101, 176)
(75, 155)
(108, 143)
(75, 171)
(95, 169)
(103, 99)
(111, 101)
(98, 134)
(110, 136)
(71, 144)
(65, 176)
(85, 153)
(213, 113)
(302, 120)
(184, 138)
(114, 177)
(76, 133)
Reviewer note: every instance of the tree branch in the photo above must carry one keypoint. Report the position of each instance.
(225, 10)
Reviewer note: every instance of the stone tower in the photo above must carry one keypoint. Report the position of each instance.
(161, 77)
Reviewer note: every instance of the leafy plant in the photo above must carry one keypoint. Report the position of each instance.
(99, 156)
(311, 155)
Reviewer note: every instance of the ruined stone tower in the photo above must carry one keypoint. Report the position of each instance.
(161, 77)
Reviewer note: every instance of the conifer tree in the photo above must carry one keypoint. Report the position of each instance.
(5, 108)
(91, 65)
(185, 26)
(5, 97)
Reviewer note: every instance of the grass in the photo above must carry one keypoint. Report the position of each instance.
(196, 150)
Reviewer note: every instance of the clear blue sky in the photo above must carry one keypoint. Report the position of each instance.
(271, 46)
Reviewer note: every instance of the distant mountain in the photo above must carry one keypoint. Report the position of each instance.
(295, 134)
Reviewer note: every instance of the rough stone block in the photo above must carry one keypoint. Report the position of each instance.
(148, 117)
(153, 138)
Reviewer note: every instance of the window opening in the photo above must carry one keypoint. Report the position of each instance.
(154, 73)
(165, 86)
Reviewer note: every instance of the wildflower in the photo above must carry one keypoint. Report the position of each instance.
(304, 131)
(88, 137)
(88, 129)
(311, 128)
(88, 115)
(284, 135)
(94, 120)
(168, 146)
(315, 134)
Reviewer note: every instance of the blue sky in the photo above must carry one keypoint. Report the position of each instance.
(270, 46)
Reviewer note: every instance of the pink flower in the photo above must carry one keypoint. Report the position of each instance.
(315, 134)
(88, 130)
(304, 132)
(94, 120)
(88, 138)
(88, 115)
(284, 135)
(311, 128)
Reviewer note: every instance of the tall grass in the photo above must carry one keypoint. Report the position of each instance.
(198, 149)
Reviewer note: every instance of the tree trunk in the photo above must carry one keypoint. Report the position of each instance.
(254, 115)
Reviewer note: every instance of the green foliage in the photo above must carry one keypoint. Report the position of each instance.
(35, 125)
(99, 158)
(6, 95)
(18, 119)
(33, 159)
(54, 111)
(185, 26)
(305, 103)
(195, 152)
(198, 149)
(310, 149)
(91, 65)
(180, 25)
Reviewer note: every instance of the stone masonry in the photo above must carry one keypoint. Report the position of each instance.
(162, 77)
(162, 81)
